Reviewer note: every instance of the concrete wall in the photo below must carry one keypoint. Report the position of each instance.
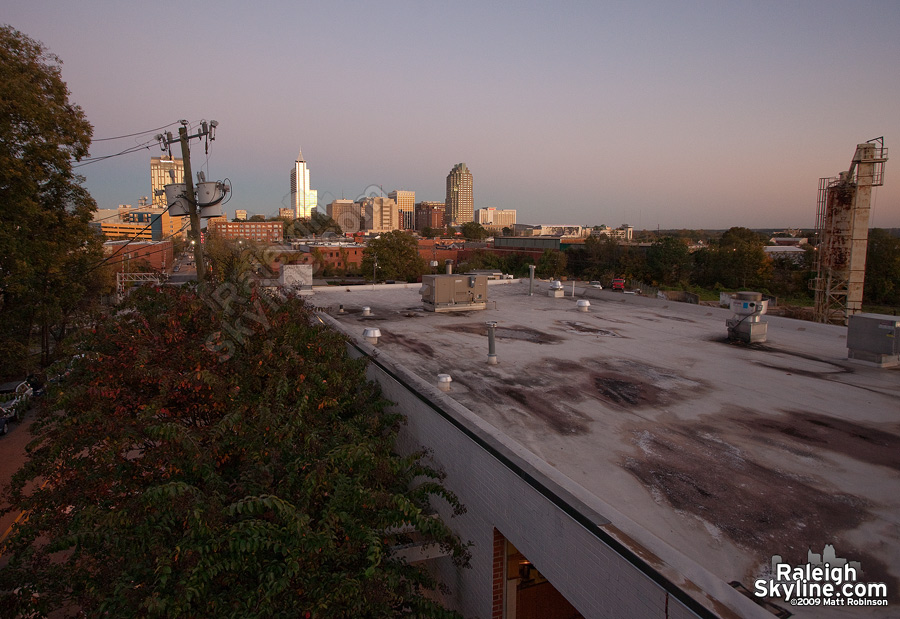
(506, 487)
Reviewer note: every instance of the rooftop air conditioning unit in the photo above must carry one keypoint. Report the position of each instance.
(874, 338)
(454, 293)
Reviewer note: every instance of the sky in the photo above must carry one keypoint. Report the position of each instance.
(655, 114)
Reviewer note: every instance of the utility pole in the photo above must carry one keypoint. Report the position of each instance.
(208, 131)
(192, 204)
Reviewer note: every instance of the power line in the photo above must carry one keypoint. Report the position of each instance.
(150, 253)
(131, 240)
(131, 135)
(127, 151)
(138, 257)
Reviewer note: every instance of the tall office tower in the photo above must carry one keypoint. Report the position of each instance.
(303, 199)
(459, 206)
(406, 204)
(160, 177)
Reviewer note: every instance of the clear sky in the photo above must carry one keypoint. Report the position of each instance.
(654, 113)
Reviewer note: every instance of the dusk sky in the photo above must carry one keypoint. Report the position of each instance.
(654, 113)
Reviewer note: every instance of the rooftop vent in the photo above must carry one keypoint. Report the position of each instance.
(372, 334)
(747, 325)
(556, 289)
(444, 381)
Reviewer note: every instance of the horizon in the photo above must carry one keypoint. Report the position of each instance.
(698, 116)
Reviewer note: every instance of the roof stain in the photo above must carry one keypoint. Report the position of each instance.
(409, 343)
(507, 332)
(819, 432)
(755, 505)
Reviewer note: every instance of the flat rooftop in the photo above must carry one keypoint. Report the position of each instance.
(696, 449)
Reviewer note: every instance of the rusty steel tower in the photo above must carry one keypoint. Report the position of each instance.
(842, 229)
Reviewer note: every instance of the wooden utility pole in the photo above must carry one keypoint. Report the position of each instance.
(192, 205)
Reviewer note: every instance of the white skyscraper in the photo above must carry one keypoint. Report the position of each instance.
(303, 199)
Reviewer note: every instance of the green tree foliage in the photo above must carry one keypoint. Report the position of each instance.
(231, 260)
(397, 254)
(604, 258)
(669, 261)
(882, 268)
(46, 244)
(552, 263)
(318, 224)
(512, 263)
(737, 260)
(219, 457)
(474, 231)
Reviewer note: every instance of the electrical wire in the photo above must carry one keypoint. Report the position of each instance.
(131, 135)
(127, 151)
(133, 149)
(171, 236)
(110, 257)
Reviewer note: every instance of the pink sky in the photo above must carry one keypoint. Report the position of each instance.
(678, 115)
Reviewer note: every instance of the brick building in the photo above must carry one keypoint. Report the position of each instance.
(262, 231)
(138, 256)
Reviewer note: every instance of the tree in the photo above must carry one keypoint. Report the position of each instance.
(737, 260)
(882, 268)
(552, 263)
(507, 231)
(429, 233)
(474, 231)
(397, 257)
(50, 255)
(669, 261)
(219, 457)
(257, 218)
(321, 224)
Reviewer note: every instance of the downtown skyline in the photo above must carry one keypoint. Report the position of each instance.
(699, 115)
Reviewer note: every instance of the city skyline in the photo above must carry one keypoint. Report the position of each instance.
(704, 115)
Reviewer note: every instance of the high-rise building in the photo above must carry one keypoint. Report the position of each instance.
(495, 219)
(163, 171)
(380, 214)
(406, 205)
(429, 215)
(303, 199)
(347, 214)
(459, 206)
(240, 215)
(160, 167)
(286, 213)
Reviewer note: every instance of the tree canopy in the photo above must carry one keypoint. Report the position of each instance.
(48, 250)
(219, 456)
(669, 261)
(397, 255)
(738, 260)
(474, 231)
(882, 268)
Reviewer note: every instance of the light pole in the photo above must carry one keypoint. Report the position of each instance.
(374, 268)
